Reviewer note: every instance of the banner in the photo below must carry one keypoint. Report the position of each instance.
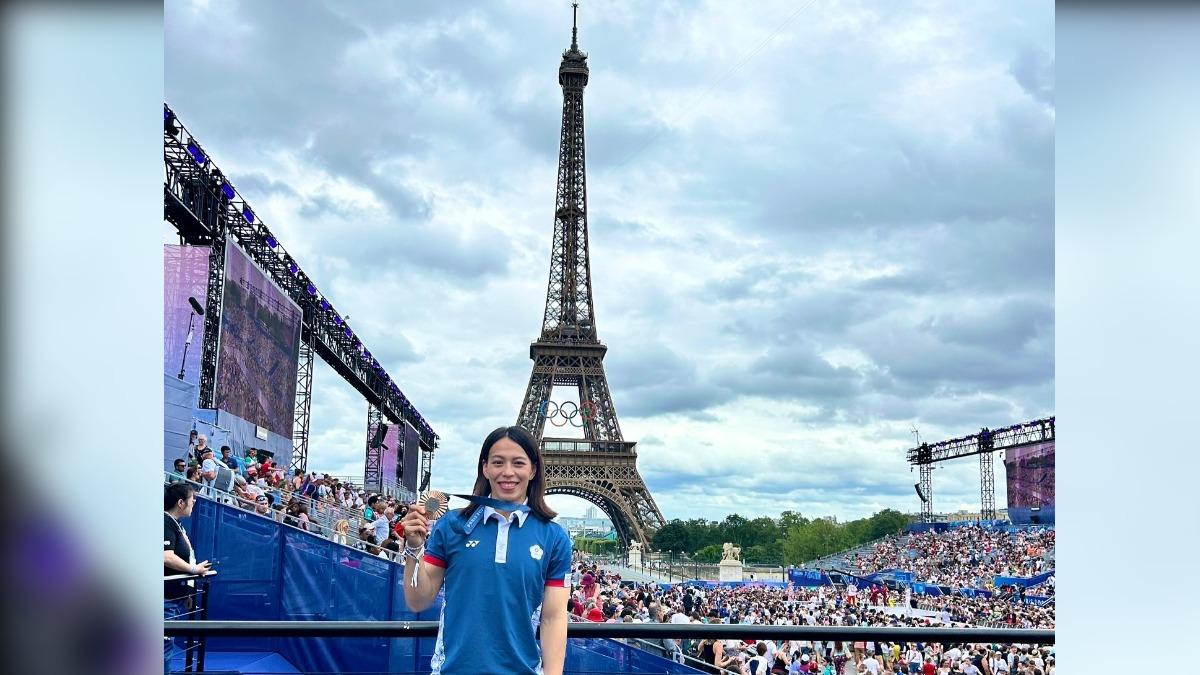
(1022, 581)
(185, 275)
(808, 578)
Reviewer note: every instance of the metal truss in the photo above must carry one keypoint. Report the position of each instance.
(927, 490)
(987, 440)
(601, 467)
(204, 208)
(987, 487)
(983, 444)
(303, 411)
(614, 485)
(569, 312)
(373, 476)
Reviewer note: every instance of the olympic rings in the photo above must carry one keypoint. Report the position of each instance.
(588, 409)
(567, 412)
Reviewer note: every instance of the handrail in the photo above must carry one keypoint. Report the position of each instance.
(615, 630)
(698, 663)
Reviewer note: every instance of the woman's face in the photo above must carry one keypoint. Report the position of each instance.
(508, 470)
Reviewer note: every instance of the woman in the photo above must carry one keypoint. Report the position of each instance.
(341, 532)
(712, 653)
(591, 589)
(504, 564)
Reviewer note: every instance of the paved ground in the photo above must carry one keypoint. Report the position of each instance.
(641, 576)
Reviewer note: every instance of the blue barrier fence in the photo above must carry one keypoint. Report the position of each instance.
(269, 571)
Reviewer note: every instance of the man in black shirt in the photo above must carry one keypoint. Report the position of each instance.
(178, 556)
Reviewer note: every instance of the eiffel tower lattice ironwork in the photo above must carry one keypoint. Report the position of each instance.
(602, 466)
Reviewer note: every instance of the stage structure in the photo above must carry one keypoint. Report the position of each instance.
(601, 467)
(984, 443)
(206, 210)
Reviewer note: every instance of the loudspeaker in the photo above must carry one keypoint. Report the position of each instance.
(380, 432)
(917, 487)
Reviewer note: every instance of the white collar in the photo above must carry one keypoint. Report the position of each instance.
(488, 512)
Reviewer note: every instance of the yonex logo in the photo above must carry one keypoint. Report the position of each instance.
(472, 543)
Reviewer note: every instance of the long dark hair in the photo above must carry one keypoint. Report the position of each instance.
(537, 485)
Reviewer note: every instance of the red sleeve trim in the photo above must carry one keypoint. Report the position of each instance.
(556, 583)
(434, 560)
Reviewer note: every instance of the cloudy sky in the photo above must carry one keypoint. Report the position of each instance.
(814, 225)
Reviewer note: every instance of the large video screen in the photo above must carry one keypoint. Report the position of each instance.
(259, 348)
(1030, 472)
(185, 274)
(412, 456)
(389, 458)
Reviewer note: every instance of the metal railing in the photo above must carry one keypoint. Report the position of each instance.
(195, 647)
(415, 629)
(322, 519)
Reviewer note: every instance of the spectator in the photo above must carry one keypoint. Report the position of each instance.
(178, 558)
(179, 474)
(208, 469)
(229, 460)
(341, 532)
(200, 446)
(262, 506)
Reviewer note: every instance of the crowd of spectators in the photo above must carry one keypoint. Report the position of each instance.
(601, 596)
(961, 557)
(318, 503)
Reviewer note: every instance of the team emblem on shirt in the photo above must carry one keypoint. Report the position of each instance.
(535, 552)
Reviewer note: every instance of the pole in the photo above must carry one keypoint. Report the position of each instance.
(188, 341)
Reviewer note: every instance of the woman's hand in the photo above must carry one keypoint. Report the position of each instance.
(416, 526)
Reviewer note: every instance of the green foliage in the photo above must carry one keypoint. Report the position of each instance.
(709, 554)
(594, 545)
(672, 537)
(787, 540)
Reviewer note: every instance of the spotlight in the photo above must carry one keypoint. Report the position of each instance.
(247, 214)
(271, 243)
(196, 153)
(324, 304)
(293, 268)
(170, 126)
(312, 290)
(227, 190)
(337, 320)
(349, 333)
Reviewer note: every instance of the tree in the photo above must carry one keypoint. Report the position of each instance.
(787, 519)
(887, 521)
(709, 554)
(733, 529)
(818, 538)
(673, 536)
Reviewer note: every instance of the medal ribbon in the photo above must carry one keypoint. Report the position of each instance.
(476, 517)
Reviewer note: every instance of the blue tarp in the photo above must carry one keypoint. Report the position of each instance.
(809, 578)
(268, 571)
(1023, 581)
(179, 400)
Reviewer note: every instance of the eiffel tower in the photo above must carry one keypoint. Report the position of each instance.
(601, 467)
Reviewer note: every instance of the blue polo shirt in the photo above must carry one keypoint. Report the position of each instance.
(496, 577)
